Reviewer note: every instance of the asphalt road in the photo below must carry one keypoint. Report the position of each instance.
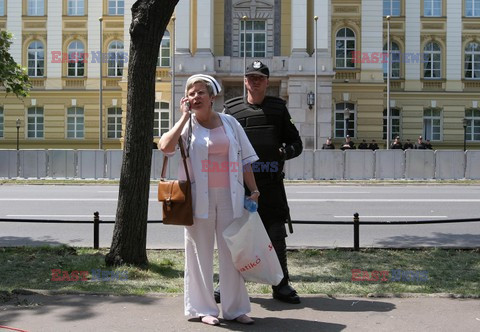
(307, 202)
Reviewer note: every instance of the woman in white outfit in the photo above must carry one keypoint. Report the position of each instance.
(219, 158)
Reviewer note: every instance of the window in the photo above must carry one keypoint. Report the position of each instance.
(1, 122)
(76, 7)
(256, 33)
(432, 61)
(35, 8)
(76, 61)
(36, 59)
(394, 62)
(164, 53)
(472, 8)
(472, 132)
(114, 122)
(394, 123)
(432, 7)
(75, 122)
(344, 48)
(340, 120)
(115, 7)
(432, 124)
(115, 58)
(472, 61)
(35, 122)
(161, 118)
(2, 7)
(391, 7)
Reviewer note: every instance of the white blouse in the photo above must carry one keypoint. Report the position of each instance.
(240, 152)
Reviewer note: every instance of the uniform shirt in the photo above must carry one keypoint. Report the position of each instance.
(240, 153)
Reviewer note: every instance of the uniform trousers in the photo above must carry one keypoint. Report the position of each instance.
(199, 247)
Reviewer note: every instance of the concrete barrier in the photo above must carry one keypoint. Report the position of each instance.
(389, 164)
(8, 164)
(472, 171)
(114, 163)
(359, 164)
(33, 164)
(157, 158)
(91, 164)
(61, 163)
(329, 165)
(300, 168)
(420, 164)
(318, 165)
(449, 165)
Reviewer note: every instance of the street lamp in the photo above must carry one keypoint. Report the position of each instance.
(465, 122)
(18, 131)
(315, 133)
(100, 111)
(174, 36)
(310, 100)
(346, 116)
(244, 18)
(388, 81)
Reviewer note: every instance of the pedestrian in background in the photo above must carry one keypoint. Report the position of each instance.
(328, 145)
(348, 144)
(396, 144)
(420, 145)
(428, 145)
(373, 146)
(363, 145)
(408, 145)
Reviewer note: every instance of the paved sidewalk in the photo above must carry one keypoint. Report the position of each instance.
(165, 313)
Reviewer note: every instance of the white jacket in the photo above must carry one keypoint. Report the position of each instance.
(240, 151)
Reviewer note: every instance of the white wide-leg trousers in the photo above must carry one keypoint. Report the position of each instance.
(199, 247)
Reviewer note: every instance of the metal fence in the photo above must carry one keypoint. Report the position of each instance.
(355, 222)
(316, 165)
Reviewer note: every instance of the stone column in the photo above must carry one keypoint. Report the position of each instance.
(54, 43)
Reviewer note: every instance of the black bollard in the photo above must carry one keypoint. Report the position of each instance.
(96, 229)
(356, 232)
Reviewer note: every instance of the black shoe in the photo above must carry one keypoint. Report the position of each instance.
(287, 294)
(216, 294)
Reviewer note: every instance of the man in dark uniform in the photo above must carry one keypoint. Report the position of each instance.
(275, 138)
(373, 146)
(408, 145)
(328, 145)
(363, 145)
(420, 145)
(396, 144)
(348, 144)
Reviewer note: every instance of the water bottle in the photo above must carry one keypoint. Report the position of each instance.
(250, 205)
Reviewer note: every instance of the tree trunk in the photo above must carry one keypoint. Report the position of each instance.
(129, 243)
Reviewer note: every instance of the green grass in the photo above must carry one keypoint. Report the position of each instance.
(312, 271)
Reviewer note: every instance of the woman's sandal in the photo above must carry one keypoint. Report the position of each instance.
(244, 319)
(210, 320)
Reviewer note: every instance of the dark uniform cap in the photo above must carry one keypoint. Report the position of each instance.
(257, 68)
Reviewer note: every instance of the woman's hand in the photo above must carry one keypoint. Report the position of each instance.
(185, 106)
(254, 196)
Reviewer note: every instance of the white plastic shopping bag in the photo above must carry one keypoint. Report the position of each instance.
(252, 251)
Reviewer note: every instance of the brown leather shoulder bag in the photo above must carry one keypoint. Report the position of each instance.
(176, 195)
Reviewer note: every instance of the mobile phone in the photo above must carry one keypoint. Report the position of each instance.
(187, 103)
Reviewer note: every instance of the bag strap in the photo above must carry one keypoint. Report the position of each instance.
(165, 161)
